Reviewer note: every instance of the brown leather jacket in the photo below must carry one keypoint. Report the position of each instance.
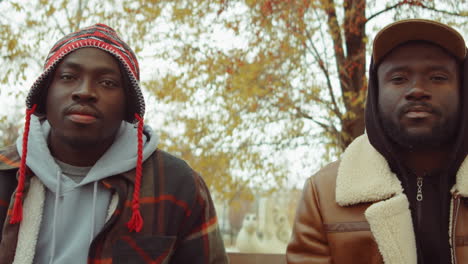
(354, 211)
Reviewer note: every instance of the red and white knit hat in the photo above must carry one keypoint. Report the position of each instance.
(97, 36)
(105, 38)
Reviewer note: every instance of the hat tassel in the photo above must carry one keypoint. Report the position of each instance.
(136, 221)
(17, 215)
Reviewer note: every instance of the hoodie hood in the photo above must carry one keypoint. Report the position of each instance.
(120, 157)
(382, 143)
(385, 41)
(79, 208)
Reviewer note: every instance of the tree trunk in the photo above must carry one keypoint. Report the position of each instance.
(352, 74)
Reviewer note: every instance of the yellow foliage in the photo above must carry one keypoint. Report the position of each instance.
(50, 11)
(180, 13)
(12, 43)
(226, 108)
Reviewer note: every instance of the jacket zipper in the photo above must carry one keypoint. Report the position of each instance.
(419, 199)
(456, 206)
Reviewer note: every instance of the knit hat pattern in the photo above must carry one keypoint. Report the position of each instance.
(97, 36)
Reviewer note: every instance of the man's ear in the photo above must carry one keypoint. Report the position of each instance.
(42, 96)
(130, 97)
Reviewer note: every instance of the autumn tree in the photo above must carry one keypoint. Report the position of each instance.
(306, 62)
(294, 76)
(158, 35)
(233, 86)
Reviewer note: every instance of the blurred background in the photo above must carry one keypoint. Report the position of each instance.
(256, 95)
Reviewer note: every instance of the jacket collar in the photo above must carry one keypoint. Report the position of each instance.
(461, 186)
(365, 176)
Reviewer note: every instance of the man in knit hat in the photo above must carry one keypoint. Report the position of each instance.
(398, 194)
(86, 182)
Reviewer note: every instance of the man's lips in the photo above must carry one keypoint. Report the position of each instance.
(82, 115)
(82, 118)
(418, 111)
(417, 114)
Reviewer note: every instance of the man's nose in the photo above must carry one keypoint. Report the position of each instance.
(85, 91)
(417, 92)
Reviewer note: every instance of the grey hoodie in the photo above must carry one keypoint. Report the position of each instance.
(74, 213)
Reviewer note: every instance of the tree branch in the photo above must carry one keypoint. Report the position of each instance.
(323, 38)
(335, 34)
(69, 19)
(330, 128)
(383, 11)
(441, 11)
(421, 5)
(79, 12)
(322, 67)
(317, 99)
(58, 25)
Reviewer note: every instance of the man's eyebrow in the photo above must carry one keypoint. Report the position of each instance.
(392, 69)
(106, 70)
(403, 68)
(439, 68)
(69, 64)
(100, 70)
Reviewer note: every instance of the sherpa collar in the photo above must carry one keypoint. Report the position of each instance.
(365, 176)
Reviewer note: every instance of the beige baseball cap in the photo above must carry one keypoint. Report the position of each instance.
(418, 29)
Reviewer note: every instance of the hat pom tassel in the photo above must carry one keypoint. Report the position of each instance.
(136, 221)
(17, 215)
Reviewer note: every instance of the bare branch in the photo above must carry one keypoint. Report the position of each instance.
(322, 66)
(323, 37)
(79, 12)
(441, 11)
(69, 19)
(384, 10)
(335, 34)
(421, 5)
(330, 128)
(58, 26)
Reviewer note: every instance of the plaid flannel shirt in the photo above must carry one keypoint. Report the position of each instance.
(180, 224)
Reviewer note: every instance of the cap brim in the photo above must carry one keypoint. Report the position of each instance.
(418, 29)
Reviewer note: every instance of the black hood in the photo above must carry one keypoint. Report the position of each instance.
(381, 142)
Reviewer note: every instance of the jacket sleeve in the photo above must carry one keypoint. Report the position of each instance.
(308, 242)
(7, 187)
(203, 243)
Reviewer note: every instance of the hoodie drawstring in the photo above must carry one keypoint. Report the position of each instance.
(54, 223)
(17, 215)
(136, 221)
(93, 213)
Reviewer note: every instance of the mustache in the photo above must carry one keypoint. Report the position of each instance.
(427, 107)
(83, 108)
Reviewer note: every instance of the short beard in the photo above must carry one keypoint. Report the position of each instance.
(442, 134)
(80, 143)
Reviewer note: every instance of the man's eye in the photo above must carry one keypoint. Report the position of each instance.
(439, 78)
(66, 77)
(109, 83)
(397, 79)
